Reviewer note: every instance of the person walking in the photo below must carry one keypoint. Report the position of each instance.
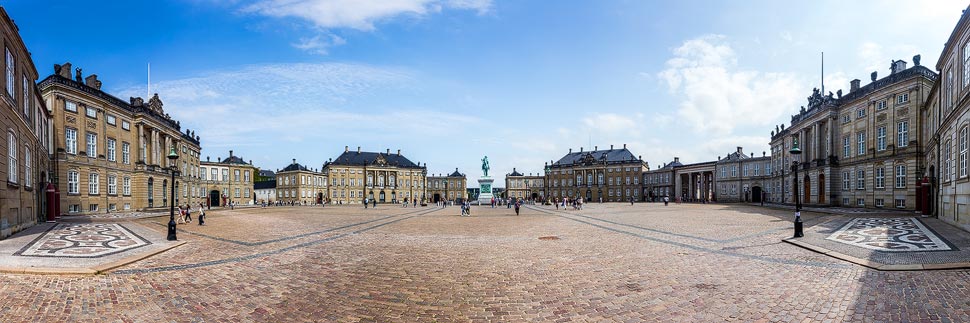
(181, 217)
(366, 202)
(666, 200)
(517, 204)
(201, 215)
(188, 213)
(556, 202)
(374, 203)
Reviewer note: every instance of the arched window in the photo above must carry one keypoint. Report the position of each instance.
(599, 178)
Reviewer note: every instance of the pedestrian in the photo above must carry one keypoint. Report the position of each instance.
(201, 215)
(374, 203)
(666, 200)
(631, 201)
(188, 214)
(556, 202)
(181, 218)
(517, 203)
(365, 202)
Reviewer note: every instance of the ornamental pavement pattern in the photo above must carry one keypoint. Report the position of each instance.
(83, 240)
(890, 234)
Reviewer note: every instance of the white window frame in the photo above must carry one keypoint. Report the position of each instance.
(112, 184)
(28, 169)
(10, 73)
(73, 182)
(91, 144)
(881, 138)
(70, 141)
(902, 134)
(880, 177)
(125, 153)
(111, 149)
(94, 183)
(126, 186)
(12, 147)
(900, 176)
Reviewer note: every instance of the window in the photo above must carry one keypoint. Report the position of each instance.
(860, 202)
(246, 193)
(12, 157)
(127, 206)
(860, 180)
(902, 98)
(10, 67)
(966, 63)
(900, 176)
(846, 147)
(111, 120)
(202, 173)
(846, 118)
(92, 208)
(28, 181)
(845, 181)
(70, 141)
(235, 176)
(225, 176)
(845, 201)
(947, 158)
(125, 125)
(93, 183)
(125, 153)
(246, 177)
(880, 203)
(91, 112)
(111, 149)
(900, 203)
(963, 152)
(861, 136)
(215, 175)
(902, 134)
(861, 113)
(25, 87)
(880, 177)
(126, 187)
(70, 106)
(72, 182)
(734, 171)
(881, 138)
(881, 105)
(92, 145)
(74, 208)
(948, 90)
(112, 185)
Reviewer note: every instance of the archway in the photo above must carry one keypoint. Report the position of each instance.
(214, 198)
(756, 194)
(589, 195)
(821, 188)
(436, 198)
(807, 186)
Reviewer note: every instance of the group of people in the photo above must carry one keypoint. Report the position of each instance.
(576, 203)
(185, 214)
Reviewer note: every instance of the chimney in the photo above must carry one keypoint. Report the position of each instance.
(854, 85)
(595, 148)
(294, 160)
(206, 158)
(624, 146)
(388, 151)
(897, 66)
(873, 75)
(719, 157)
(580, 149)
(230, 153)
(358, 149)
(346, 148)
(739, 151)
(752, 154)
(92, 81)
(640, 157)
(250, 161)
(399, 154)
(763, 154)
(570, 150)
(676, 159)
(611, 147)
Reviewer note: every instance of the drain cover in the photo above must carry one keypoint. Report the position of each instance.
(549, 238)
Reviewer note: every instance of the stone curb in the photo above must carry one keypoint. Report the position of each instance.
(877, 265)
(99, 269)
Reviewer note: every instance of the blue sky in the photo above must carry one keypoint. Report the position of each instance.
(447, 81)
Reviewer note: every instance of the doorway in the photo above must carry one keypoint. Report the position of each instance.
(756, 194)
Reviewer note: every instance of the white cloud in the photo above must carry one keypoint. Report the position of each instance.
(357, 14)
(319, 44)
(719, 97)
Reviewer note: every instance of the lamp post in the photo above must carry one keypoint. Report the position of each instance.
(798, 205)
(172, 157)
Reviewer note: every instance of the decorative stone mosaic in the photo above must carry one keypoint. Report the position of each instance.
(890, 234)
(83, 240)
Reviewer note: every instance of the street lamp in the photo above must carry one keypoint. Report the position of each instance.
(172, 157)
(798, 205)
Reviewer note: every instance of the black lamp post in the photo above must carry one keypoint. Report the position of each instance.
(172, 157)
(798, 205)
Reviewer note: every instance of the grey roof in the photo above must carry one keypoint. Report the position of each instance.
(234, 160)
(515, 172)
(608, 155)
(264, 184)
(675, 163)
(293, 167)
(353, 158)
(456, 174)
(266, 173)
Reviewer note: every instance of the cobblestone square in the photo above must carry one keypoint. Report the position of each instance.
(606, 263)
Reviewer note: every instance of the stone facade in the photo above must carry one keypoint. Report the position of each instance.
(386, 177)
(949, 116)
(228, 180)
(525, 187)
(859, 150)
(741, 178)
(298, 184)
(451, 187)
(111, 154)
(659, 183)
(600, 175)
(24, 116)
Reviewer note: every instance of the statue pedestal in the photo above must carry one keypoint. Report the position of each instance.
(485, 190)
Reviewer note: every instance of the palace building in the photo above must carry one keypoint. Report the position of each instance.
(298, 184)
(859, 150)
(111, 154)
(741, 178)
(386, 177)
(611, 175)
(228, 180)
(525, 187)
(451, 187)
(24, 115)
(659, 183)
